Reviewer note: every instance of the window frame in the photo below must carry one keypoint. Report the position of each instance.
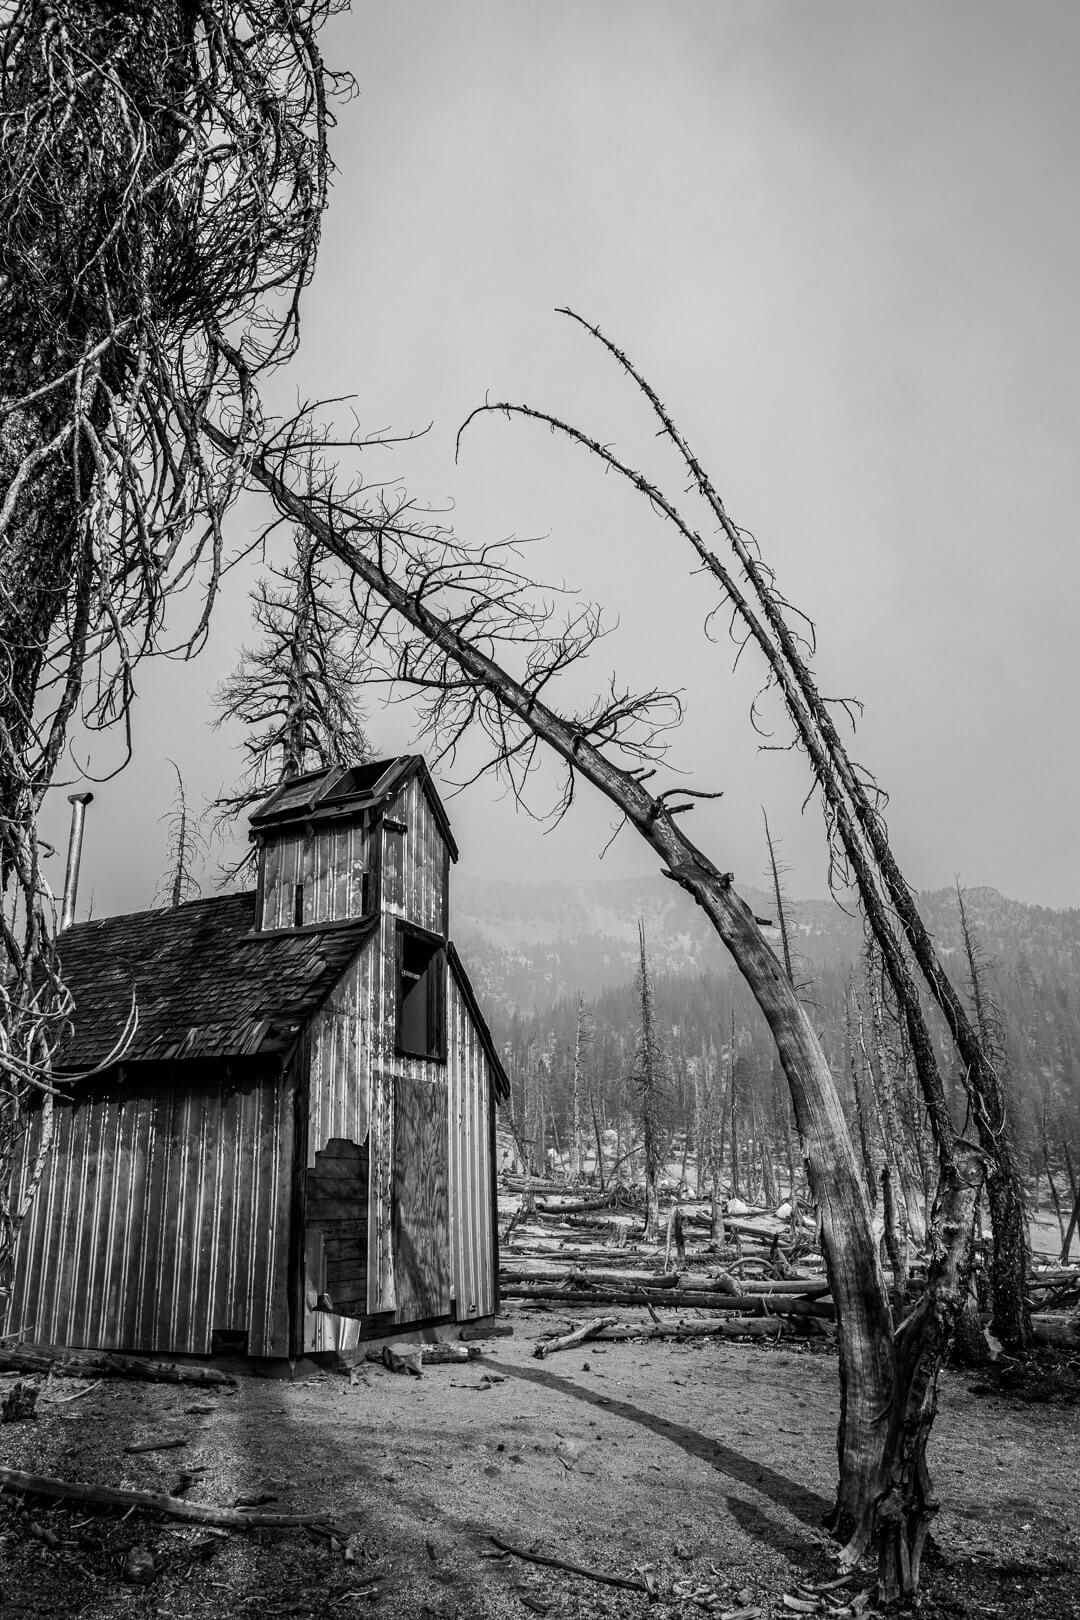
(436, 971)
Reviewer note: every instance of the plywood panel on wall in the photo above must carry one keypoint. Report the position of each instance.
(420, 1199)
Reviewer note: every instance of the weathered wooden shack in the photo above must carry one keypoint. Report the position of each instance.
(296, 1149)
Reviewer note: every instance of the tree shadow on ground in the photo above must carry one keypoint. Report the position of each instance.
(799, 1500)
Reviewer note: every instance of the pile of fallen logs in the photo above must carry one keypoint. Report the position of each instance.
(590, 1250)
(765, 1277)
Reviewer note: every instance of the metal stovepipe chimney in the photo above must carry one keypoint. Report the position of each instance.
(78, 803)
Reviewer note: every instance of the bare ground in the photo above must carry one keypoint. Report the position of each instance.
(708, 1464)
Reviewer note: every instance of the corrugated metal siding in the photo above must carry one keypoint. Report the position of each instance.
(472, 1245)
(330, 862)
(161, 1217)
(416, 862)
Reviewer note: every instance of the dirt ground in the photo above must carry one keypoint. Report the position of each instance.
(707, 1464)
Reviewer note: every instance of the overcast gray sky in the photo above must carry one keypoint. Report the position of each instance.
(842, 242)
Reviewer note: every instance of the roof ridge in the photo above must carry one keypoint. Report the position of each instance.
(155, 911)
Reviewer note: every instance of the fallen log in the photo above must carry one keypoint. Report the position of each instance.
(1060, 1331)
(576, 1206)
(697, 1298)
(566, 1341)
(570, 1275)
(16, 1483)
(733, 1327)
(600, 1278)
(105, 1364)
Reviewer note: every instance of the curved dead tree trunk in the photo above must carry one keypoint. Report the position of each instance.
(163, 169)
(859, 840)
(858, 1287)
(888, 1382)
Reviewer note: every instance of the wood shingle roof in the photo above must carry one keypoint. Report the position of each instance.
(204, 983)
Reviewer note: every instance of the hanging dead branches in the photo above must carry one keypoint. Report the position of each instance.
(468, 631)
(163, 170)
(853, 804)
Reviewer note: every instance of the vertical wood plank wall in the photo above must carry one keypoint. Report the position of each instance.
(329, 861)
(355, 1065)
(415, 863)
(163, 1214)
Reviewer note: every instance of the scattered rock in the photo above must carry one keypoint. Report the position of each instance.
(140, 1566)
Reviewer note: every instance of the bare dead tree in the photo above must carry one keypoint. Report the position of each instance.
(465, 629)
(858, 1076)
(860, 853)
(581, 1041)
(649, 1084)
(163, 170)
(1011, 1257)
(455, 620)
(733, 1108)
(186, 849)
(297, 692)
(853, 804)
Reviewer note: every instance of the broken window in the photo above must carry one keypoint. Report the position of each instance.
(421, 1030)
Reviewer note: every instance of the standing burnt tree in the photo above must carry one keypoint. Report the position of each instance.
(468, 632)
(465, 629)
(649, 1065)
(297, 691)
(163, 171)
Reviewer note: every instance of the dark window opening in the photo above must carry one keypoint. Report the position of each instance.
(298, 905)
(421, 1001)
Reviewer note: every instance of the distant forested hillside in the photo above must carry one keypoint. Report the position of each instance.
(534, 951)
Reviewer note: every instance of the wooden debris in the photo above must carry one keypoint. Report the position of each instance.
(627, 1584)
(104, 1364)
(591, 1330)
(400, 1358)
(16, 1483)
(62, 1400)
(438, 1355)
(155, 1445)
(19, 1403)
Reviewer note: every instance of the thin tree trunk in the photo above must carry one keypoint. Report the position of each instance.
(733, 1117)
(599, 1145)
(1075, 1217)
(859, 1090)
(649, 1090)
(577, 1151)
(1008, 1218)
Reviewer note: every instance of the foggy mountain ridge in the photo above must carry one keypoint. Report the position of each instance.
(529, 945)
